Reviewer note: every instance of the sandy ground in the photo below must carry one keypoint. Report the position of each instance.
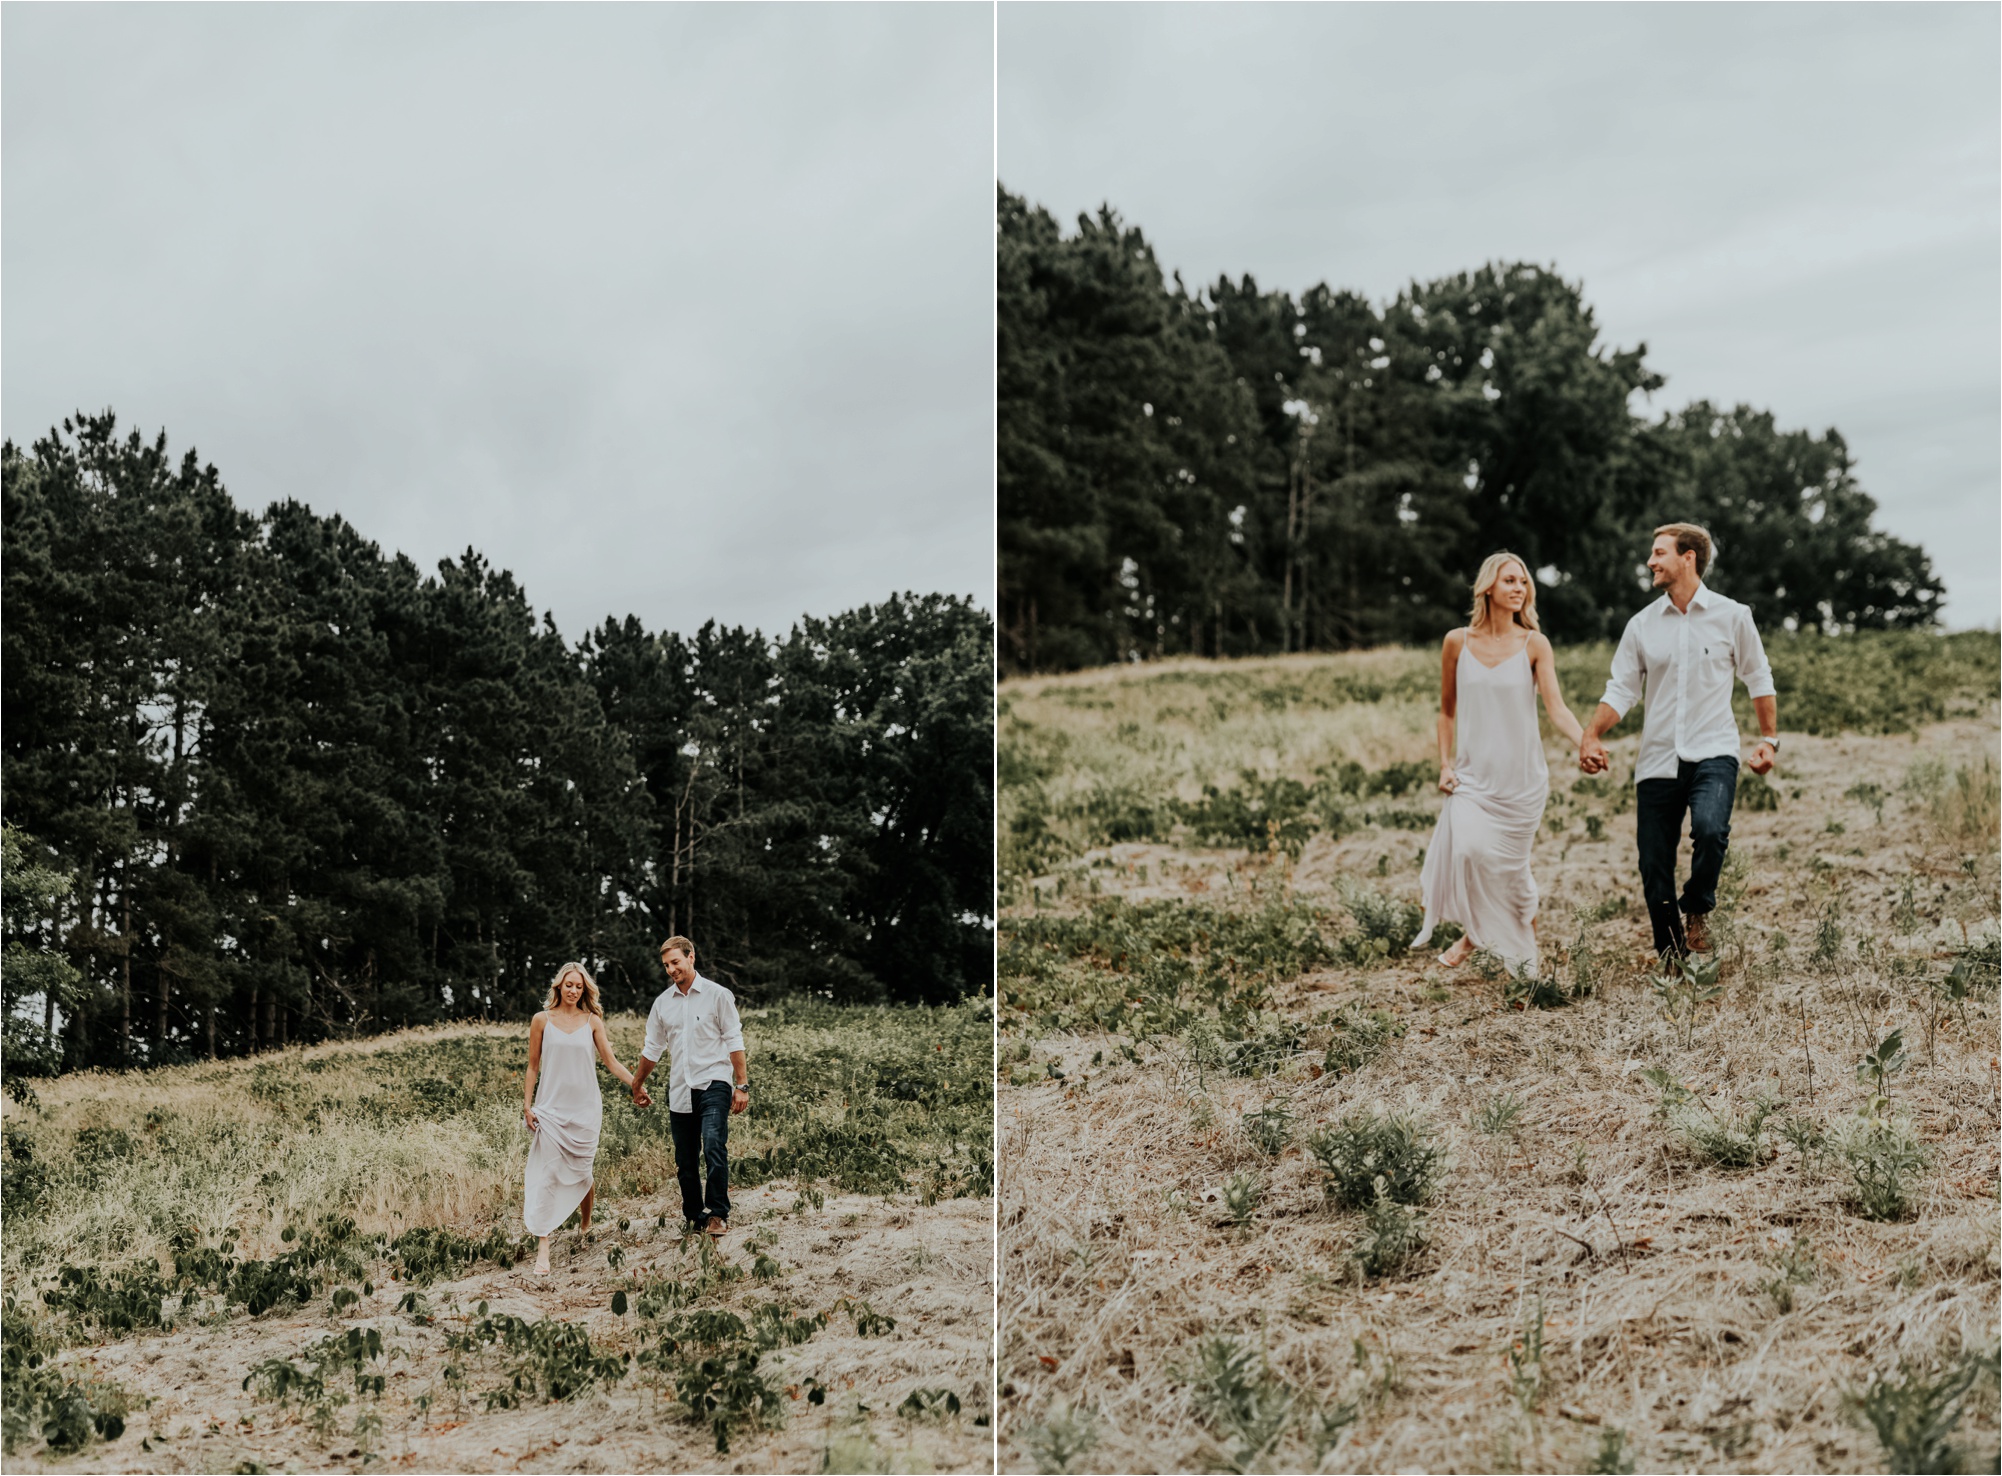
(928, 1267)
(1647, 1261)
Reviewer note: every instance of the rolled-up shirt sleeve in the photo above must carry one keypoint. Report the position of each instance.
(656, 1034)
(729, 1028)
(1623, 687)
(1752, 664)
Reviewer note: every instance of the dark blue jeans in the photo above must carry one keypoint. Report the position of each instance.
(1704, 790)
(703, 1136)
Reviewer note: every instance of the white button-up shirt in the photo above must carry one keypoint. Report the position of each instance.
(1686, 661)
(700, 1028)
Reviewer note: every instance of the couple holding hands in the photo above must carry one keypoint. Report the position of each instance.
(695, 1022)
(1683, 651)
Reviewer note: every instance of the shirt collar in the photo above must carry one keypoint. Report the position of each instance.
(1701, 600)
(694, 988)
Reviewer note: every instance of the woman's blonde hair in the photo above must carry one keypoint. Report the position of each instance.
(1484, 581)
(590, 999)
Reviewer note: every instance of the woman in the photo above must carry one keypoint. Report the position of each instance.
(565, 1113)
(1477, 867)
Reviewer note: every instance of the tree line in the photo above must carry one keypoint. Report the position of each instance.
(265, 783)
(1236, 470)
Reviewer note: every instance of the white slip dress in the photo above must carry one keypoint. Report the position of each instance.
(1477, 867)
(569, 1112)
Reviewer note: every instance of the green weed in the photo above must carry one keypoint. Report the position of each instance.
(1881, 1064)
(1682, 988)
(1240, 1198)
(1916, 1413)
(1499, 1115)
(1882, 1157)
(36, 1399)
(1527, 1378)
(1065, 1433)
(1614, 1457)
(1392, 1236)
(1794, 1266)
(1368, 1157)
(1357, 1037)
(1730, 1139)
(929, 1404)
(1384, 926)
(1270, 1128)
(1242, 1399)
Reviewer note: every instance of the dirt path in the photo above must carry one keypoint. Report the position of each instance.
(926, 1267)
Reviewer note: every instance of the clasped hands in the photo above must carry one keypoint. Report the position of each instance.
(1592, 758)
(739, 1099)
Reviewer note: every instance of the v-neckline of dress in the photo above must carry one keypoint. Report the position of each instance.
(561, 1031)
(1469, 649)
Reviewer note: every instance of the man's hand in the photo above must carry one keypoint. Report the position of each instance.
(1592, 757)
(739, 1099)
(640, 1097)
(1762, 758)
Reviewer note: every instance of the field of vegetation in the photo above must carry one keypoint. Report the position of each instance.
(313, 1259)
(1277, 1194)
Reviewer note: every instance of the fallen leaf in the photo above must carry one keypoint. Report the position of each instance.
(1046, 1360)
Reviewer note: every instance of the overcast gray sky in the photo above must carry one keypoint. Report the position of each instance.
(1796, 206)
(679, 311)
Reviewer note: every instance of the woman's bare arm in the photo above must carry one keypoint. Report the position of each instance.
(1544, 661)
(1449, 701)
(534, 1067)
(611, 1061)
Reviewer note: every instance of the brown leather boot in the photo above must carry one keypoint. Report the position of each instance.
(1696, 928)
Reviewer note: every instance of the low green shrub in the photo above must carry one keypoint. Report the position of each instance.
(1270, 1128)
(1368, 1157)
(1392, 1236)
(115, 1301)
(38, 1400)
(546, 1359)
(426, 1254)
(1915, 1414)
(1384, 926)
(1239, 1396)
(1357, 1037)
(1065, 1433)
(1883, 1157)
(1794, 1266)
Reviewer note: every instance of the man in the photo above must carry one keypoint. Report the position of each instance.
(696, 1020)
(1684, 649)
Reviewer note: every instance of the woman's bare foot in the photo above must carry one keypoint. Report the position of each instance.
(1459, 953)
(542, 1257)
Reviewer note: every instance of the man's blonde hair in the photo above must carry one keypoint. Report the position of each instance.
(677, 941)
(589, 1001)
(1689, 539)
(1484, 581)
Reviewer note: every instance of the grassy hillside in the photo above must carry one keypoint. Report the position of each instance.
(1278, 1194)
(218, 1202)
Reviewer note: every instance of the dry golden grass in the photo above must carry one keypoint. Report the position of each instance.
(423, 1128)
(1118, 1259)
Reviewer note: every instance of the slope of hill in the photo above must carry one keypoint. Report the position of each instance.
(1278, 1194)
(313, 1260)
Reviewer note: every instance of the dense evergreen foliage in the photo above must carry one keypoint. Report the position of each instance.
(281, 786)
(1240, 470)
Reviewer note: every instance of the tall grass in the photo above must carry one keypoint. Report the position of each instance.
(1160, 752)
(424, 1128)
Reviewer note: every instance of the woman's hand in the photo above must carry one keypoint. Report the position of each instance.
(534, 1123)
(1448, 780)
